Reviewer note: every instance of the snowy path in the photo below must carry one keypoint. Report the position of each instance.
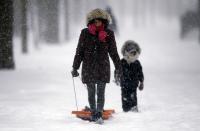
(39, 96)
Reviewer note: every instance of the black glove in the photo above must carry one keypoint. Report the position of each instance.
(141, 86)
(74, 73)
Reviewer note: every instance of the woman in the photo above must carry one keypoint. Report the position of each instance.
(95, 43)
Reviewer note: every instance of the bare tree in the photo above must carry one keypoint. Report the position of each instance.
(17, 18)
(48, 20)
(51, 21)
(67, 19)
(34, 13)
(24, 26)
(6, 34)
(199, 18)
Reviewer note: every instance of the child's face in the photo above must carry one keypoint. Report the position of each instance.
(133, 53)
(131, 56)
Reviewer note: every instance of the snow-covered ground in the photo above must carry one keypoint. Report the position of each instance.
(39, 95)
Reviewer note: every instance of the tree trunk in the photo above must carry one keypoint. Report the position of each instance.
(67, 19)
(6, 34)
(24, 27)
(17, 18)
(34, 22)
(52, 17)
(199, 18)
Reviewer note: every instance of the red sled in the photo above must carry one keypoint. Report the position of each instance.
(86, 114)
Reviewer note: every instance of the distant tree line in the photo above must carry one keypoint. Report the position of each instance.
(42, 19)
(20, 17)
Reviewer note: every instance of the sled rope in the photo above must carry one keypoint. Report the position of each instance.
(75, 94)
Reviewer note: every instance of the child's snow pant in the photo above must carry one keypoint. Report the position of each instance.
(128, 95)
(91, 87)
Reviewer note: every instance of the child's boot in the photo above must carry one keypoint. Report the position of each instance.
(134, 109)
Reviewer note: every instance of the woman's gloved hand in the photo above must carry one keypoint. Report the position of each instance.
(102, 36)
(74, 73)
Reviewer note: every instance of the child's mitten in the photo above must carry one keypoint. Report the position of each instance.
(117, 77)
(141, 86)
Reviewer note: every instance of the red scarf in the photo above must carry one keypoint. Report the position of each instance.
(100, 30)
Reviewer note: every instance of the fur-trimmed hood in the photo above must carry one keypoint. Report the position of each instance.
(130, 45)
(128, 48)
(98, 13)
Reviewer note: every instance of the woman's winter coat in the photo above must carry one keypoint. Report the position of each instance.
(94, 56)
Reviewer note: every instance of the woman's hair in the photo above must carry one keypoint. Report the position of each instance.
(105, 22)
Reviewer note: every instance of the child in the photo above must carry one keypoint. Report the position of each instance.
(132, 75)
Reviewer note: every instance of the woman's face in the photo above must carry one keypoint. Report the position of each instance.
(98, 23)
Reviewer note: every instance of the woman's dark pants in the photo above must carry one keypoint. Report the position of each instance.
(100, 89)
